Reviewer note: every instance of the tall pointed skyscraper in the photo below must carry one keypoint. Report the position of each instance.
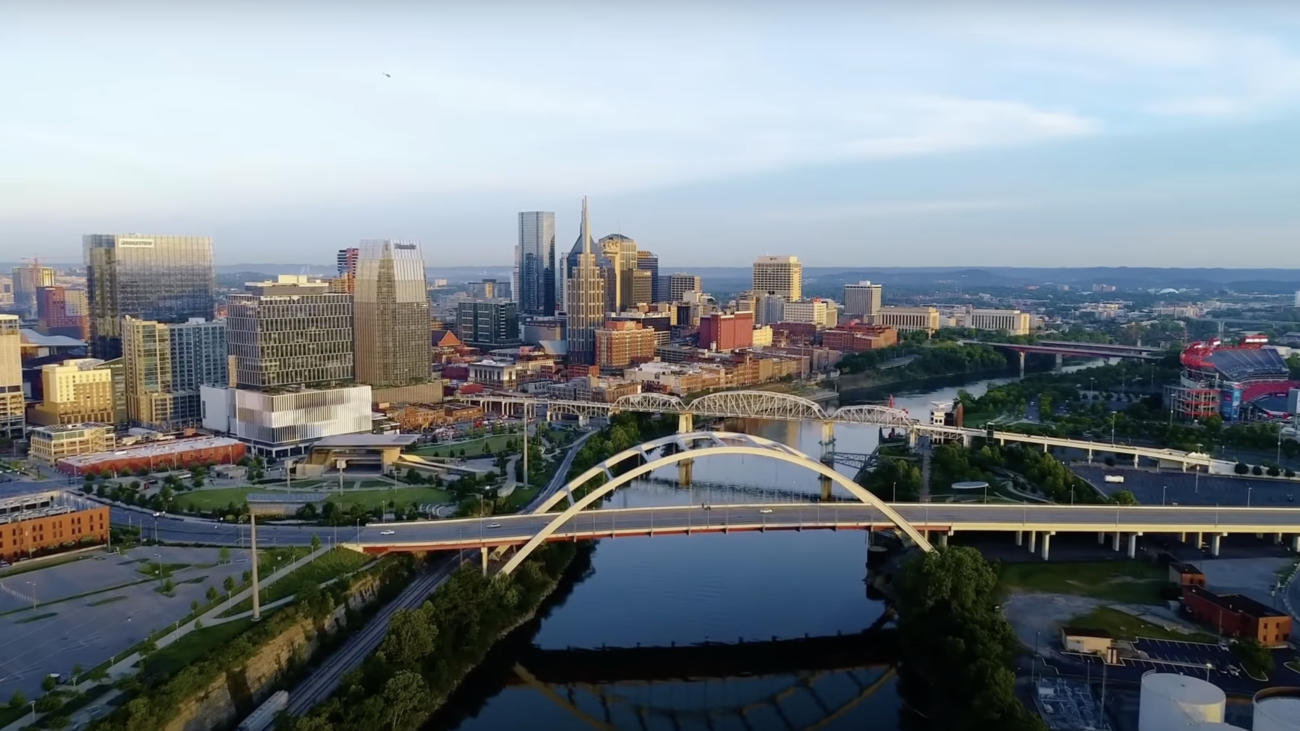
(584, 298)
(391, 315)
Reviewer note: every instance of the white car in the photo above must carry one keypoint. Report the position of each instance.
(766, 511)
(387, 532)
(494, 525)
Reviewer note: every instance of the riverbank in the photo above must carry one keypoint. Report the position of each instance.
(429, 652)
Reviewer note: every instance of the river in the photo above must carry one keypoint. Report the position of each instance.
(717, 588)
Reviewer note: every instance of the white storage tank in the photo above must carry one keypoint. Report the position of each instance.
(1277, 709)
(1170, 702)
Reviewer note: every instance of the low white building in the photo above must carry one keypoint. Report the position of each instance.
(284, 424)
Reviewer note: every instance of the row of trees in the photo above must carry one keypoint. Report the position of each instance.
(960, 650)
(428, 650)
(937, 358)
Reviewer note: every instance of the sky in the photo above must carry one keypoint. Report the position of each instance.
(849, 134)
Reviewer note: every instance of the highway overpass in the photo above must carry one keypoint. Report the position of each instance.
(1033, 525)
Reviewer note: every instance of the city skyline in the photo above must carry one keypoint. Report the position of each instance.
(1015, 136)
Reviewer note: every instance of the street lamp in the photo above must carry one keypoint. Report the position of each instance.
(1163, 490)
(33, 585)
(1248, 489)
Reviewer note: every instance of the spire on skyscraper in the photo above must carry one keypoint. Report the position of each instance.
(586, 228)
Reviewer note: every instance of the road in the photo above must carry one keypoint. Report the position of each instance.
(511, 529)
(324, 679)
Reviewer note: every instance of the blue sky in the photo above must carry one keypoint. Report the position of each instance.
(984, 133)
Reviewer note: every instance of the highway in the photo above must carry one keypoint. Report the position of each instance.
(324, 679)
(941, 517)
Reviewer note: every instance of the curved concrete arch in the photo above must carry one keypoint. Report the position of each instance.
(784, 454)
(757, 404)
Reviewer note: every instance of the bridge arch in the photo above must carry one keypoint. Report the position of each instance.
(873, 414)
(719, 443)
(650, 402)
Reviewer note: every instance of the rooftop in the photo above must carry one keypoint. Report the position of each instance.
(367, 440)
(1235, 603)
(34, 339)
(62, 428)
(151, 450)
(1081, 632)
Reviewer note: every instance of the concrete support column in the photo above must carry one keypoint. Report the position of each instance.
(943, 539)
(1114, 541)
(1135, 460)
(1196, 539)
(1060, 359)
(1295, 544)
(828, 440)
(1047, 545)
(1133, 545)
(1033, 540)
(1020, 538)
(1022, 364)
(1214, 544)
(1089, 456)
(1277, 539)
(685, 423)
(826, 487)
(1101, 538)
(484, 553)
(685, 472)
(926, 535)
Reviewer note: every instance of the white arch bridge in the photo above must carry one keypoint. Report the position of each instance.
(913, 520)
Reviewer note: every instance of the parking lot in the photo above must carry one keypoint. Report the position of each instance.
(1195, 659)
(62, 631)
(1186, 488)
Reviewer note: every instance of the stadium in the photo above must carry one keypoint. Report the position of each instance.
(1235, 382)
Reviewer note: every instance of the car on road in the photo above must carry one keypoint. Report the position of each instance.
(387, 532)
(493, 525)
(766, 511)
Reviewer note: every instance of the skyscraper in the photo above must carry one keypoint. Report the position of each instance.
(488, 325)
(679, 284)
(347, 268)
(585, 298)
(647, 262)
(12, 417)
(781, 275)
(535, 261)
(166, 365)
(160, 278)
(27, 282)
(61, 311)
(862, 299)
(290, 332)
(391, 315)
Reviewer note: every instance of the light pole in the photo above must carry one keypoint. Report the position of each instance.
(1163, 490)
(1248, 489)
(33, 585)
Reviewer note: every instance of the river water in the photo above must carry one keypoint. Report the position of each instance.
(714, 588)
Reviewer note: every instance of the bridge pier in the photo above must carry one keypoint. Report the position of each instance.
(1114, 542)
(1033, 541)
(685, 472)
(1277, 539)
(1135, 460)
(826, 487)
(1295, 544)
(1047, 544)
(828, 441)
(483, 552)
(1196, 539)
(1020, 538)
(1060, 360)
(1101, 538)
(685, 423)
(1089, 456)
(1214, 544)
(1133, 544)
(943, 540)
(1021, 353)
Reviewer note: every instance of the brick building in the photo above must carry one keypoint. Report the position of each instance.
(153, 456)
(725, 332)
(40, 523)
(622, 343)
(855, 337)
(1234, 615)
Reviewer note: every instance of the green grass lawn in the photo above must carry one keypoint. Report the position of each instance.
(519, 499)
(207, 500)
(1293, 665)
(1135, 582)
(333, 564)
(473, 448)
(172, 658)
(1122, 626)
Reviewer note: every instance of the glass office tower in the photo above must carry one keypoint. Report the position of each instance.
(391, 315)
(158, 278)
(536, 263)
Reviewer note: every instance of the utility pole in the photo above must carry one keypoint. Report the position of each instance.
(526, 443)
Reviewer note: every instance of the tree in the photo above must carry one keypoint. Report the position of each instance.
(1254, 657)
(1125, 497)
(17, 700)
(404, 694)
(49, 703)
(315, 542)
(224, 554)
(168, 586)
(48, 683)
(1257, 470)
(247, 577)
(212, 594)
(228, 584)
(1274, 470)
(410, 636)
(57, 721)
(194, 606)
(1241, 468)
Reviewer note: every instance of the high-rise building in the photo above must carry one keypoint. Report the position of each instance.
(648, 262)
(643, 289)
(61, 311)
(488, 325)
(819, 312)
(74, 392)
(622, 343)
(27, 282)
(862, 300)
(781, 275)
(679, 284)
(12, 419)
(620, 264)
(585, 299)
(723, 332)
(164, 279)
(769, 308)
(290, 332)
(347, 270)
(166, 365)
(535, 289)
(391, 315)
